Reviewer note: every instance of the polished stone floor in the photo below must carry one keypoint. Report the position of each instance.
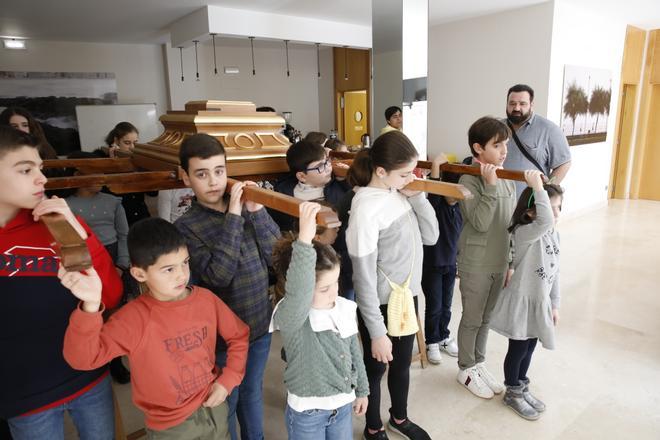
(602, 382)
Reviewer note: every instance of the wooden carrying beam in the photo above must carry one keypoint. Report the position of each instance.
(286, 204)
(475, 171)
(448, 167)
(72, 249)
(90, 166)
(156, 180)
(87, 180)
(429, 186)
(75, 256)
(342, 155)
(452, 190)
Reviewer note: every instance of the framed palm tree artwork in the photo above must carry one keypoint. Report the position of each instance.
(585, 105)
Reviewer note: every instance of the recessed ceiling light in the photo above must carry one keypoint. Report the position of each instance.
(14, 44)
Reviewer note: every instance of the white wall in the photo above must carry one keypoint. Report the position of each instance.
(268, 25)
(590, 38)
(472, 63)
(327, 92)
(138, 68)
(144, 75)
(415, 35)
(387, 87)
(298, 93)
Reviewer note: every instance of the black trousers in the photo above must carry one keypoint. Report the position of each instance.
(517, 360)
(438, 286)
(398, 376)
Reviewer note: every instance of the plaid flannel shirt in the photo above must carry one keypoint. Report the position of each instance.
(230, 255)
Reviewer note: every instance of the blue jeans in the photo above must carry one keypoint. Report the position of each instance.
(438, 287)
(92, 414)
(320, 424)
(246, 401)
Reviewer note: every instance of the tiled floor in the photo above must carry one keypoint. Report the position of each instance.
(602, 382)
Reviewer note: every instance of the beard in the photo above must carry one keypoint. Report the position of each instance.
(518, 117)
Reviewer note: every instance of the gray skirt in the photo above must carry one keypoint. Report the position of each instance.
(523, 316)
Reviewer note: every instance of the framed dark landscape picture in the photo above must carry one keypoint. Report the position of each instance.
(585, 106)
(52, 98)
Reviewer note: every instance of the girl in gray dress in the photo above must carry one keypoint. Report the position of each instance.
(527, 309)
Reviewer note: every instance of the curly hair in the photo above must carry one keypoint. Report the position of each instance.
(326, 259)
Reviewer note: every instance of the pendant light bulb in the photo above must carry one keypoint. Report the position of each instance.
(196, 62)
(181, 58)
(286, 46)
(215, 60)
(254, 71)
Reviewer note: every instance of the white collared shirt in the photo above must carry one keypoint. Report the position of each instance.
(339, 319)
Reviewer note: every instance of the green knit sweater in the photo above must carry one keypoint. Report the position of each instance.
(319, 364)
(483, 246)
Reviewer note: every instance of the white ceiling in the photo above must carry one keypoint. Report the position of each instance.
(641, 13)
(146, 21)
(443, 11)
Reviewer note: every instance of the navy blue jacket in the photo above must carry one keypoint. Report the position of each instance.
(343, 212)
(450, 221)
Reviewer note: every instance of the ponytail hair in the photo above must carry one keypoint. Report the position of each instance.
(525, 212)
(390, 151)
(120, 130)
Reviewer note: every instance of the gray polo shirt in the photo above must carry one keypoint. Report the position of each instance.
(544, 141)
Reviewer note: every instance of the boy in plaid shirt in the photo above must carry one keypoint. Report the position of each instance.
(231, 245)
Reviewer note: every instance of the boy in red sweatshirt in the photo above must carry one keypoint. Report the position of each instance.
(37, 384)
(168, 333)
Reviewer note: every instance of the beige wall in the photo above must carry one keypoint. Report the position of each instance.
(472, 63)
(142, 74)
(139, 68)
(300, 93)
(326, 92)
(580, 40)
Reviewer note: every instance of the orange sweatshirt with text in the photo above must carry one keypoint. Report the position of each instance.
(170, 347)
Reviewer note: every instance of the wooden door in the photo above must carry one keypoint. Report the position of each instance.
(623, 146)
(622, 173)
(355, 120)
(649, 183)
(645, 182)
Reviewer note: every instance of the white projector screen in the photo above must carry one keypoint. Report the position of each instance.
(96, 121)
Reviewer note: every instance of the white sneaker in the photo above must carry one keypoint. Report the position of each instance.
(488, 378)
(433, 353)
(471, 380)
(449, 346)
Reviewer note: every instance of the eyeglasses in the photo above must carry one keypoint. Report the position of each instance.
(320, 168)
